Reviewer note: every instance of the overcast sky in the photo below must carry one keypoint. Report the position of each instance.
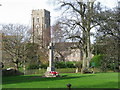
(19, 11)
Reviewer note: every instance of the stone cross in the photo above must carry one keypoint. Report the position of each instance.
(51, 58)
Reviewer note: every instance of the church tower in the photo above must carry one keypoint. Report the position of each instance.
(41, 27)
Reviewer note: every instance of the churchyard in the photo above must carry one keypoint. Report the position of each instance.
(51, 78)
(64, 54)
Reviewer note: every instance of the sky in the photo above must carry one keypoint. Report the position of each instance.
(19, 11)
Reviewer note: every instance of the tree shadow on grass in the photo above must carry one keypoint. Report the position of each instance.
(25, 79)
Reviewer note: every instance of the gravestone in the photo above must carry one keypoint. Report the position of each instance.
(51, 58)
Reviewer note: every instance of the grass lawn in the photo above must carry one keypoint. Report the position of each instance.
(99, 80)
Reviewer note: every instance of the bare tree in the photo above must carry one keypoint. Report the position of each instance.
(63, 47)
(14, 38)
(41, 39)
(58, 34)
(110, 30)
(78, 20)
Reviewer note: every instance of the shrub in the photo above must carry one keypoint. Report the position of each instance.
(44, 66)
(37, 66)
(78, 64)
(60, 64)
(33, 66)
(96, 61)
(63, 64)
(70, 64)
(104, 63)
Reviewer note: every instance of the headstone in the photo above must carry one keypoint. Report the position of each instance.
(51, 58)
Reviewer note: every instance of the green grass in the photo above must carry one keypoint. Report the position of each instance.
(42, 71)
(99, 80)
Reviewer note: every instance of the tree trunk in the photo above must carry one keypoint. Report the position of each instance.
(88, 49)
(16, 66)
(84, 62)
(16, 62)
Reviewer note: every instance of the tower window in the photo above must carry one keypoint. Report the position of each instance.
(37, 19)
